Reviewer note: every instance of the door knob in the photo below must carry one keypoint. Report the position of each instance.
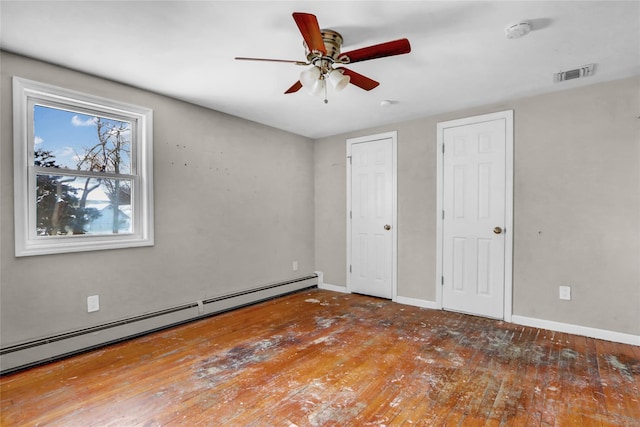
(387, 227)
(497, 230)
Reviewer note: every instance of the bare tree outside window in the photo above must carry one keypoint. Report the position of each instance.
(83, 171)
(111, 153)
(73, 204)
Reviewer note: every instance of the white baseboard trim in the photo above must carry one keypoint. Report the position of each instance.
(577, 330)
(417, 302)
(334, 288)
(519, 320)
(328, 286)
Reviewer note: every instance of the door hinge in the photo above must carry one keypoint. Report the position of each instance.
(442, 280)
(350, 214)
(442, 214)
(443, 148)
(349, 268)
(349, 157)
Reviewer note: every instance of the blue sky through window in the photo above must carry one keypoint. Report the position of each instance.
(68, 134)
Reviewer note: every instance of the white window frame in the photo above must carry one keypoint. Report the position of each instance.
(25, 93)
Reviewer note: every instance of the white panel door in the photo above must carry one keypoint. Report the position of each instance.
(474, 188)
(372, 218)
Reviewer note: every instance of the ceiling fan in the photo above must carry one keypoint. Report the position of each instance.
(322, 48)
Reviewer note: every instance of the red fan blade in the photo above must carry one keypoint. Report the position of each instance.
(396, 47)
(296, 87)
(308, 25)
(359, 80)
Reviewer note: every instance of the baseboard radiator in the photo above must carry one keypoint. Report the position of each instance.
(43, 350)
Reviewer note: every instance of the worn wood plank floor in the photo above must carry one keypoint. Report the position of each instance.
(318, 358)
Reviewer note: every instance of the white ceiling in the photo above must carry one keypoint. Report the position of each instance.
(460, 57)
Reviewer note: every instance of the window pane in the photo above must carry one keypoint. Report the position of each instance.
(71, 205)
(78, 141)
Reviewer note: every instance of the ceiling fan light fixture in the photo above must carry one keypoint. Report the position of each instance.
(310, 77)
(338, 79)
(318, 87)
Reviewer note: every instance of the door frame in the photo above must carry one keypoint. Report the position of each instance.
(508, 244)
(393, 135)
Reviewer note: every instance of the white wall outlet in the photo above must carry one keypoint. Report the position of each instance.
(565, 293)
(295, 265)
(93, 303)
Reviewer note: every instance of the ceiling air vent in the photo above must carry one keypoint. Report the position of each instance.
(584, 71)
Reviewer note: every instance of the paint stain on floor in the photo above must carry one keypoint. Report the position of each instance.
(319, 358)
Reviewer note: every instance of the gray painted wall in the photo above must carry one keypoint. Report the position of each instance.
(236, 202)
(576, 213)
(233, 210)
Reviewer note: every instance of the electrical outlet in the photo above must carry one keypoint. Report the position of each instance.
(93, 303)
(295, 265)
(565, 293)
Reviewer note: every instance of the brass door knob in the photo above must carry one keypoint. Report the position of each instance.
(387, 227)
(497, 230)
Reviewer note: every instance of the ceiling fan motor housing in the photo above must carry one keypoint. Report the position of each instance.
(332, 43)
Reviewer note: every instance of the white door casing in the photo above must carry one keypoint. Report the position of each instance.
(371, 215)
(475, 186)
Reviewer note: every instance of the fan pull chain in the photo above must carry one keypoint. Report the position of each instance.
(326, 101)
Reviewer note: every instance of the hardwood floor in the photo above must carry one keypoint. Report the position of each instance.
(318, 358)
